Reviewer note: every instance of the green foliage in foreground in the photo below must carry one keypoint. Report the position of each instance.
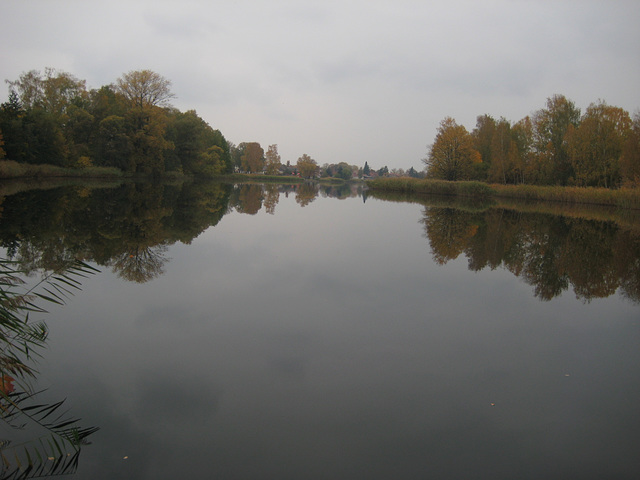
(628, 198)
(58, 438)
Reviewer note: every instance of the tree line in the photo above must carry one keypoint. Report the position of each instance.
(52, 118)
(556, 145)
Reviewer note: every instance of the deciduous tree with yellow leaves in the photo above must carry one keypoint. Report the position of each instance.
(307, 166)
(596, 144)
(452, 155)
(272, 160)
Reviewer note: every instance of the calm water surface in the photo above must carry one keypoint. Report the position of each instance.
(262, 335)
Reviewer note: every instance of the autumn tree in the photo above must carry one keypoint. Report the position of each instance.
(146, 92)
(148, 141)
(595, 146)
(82, 126)
(43, 130)
(630, 158)
(100, 121)
(144, 88)
(452, 155)
(483, 141)
(522, 134)
(272, 160)
(253, 158)
(551, 125)
(307, 166)
(52, 91)
(106, 101)
(505, 159)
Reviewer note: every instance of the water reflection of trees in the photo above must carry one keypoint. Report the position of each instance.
(142, 265)
(130, 227)
(249, 198)
(551, 253)
(306, 193)
(271, 198)
(127, 228)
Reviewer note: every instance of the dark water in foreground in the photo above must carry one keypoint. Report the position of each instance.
(264, 333)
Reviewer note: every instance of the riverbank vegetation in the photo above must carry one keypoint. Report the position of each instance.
(52, 121)
(628, 198)
(129, 126)
(53, 126)
(556, 155)
(11, 169)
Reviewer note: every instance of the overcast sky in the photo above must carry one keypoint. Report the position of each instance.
(344, 80)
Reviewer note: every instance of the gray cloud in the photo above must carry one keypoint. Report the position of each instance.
(347, 81)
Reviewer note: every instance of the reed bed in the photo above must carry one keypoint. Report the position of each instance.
(625, 198)
(431, 187)
(628, 198)
(10, 169)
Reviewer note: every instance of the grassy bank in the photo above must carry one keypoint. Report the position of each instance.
(621, 198)
(14, 170)
(10, 170)
(258, 178)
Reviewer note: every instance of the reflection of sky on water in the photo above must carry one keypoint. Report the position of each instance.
(323, 342)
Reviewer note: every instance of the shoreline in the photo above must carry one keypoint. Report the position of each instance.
(624, 198)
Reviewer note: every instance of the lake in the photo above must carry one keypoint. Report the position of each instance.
(291, 332)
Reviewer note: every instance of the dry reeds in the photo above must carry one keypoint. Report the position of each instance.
(626, 198)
